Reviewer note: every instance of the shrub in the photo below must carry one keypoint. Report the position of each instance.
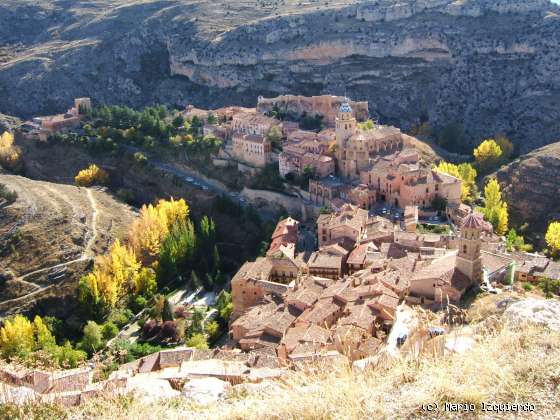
(140, 158)
(109, 330)
(9, 196)
(10, 154)
(198, 341)
(91, 175)
(527, 287)
(93, 338)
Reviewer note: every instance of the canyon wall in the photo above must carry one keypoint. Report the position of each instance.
(491, 65)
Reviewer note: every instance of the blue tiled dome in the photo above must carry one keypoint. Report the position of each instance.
(345, 107)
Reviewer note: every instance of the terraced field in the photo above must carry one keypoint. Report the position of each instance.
(49, 236)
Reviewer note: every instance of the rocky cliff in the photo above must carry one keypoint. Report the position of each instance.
(532, 188)
(490, 64)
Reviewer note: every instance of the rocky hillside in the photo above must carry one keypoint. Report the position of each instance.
(490, 64)
(48, 237)
(531, 187)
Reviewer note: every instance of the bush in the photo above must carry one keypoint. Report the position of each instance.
(109, 330)
(527, 287)
(9, 196)
(198, 341)
(140, 158)
(93, 338)
(121, 317)
(91, 175)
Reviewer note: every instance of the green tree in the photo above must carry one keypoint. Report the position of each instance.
(224, 305)
(274, 136)
(92, 340)
(178, 253)
(109, 330)
(212, 119)
(198, 341)
(196, 325)
(212, 329)
(167, 313)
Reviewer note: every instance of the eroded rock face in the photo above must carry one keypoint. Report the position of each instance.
(206, 391)
(490, 64)
(535, 311)
(531, 186)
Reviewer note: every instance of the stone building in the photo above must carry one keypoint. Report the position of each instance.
(253, 123)
(400, 180)
(356, 147)
(350, 222)
(253, 149)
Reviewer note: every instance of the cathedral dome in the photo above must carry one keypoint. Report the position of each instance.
(345, 107)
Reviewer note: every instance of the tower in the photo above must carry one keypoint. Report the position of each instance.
(469, 261)
(346, 127)
(346, 124)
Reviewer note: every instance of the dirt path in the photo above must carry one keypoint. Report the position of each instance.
(86, 255)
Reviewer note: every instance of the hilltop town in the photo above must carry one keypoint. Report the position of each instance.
(378, 254)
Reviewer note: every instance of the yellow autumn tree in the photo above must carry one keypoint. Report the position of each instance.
(17, 337)
(495, 209)
(153, 225)
(113, 276)
(466, 173)
(10, 154)
(91, 175)
(552, 236)
(487, 155)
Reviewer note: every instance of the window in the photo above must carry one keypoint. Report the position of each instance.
(464, 249)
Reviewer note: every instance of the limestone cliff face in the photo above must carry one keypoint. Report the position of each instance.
(531, 185)
(493, 65)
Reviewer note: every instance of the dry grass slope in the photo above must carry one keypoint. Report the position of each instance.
(515, 365)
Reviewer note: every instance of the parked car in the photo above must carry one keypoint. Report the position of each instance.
(190, 179)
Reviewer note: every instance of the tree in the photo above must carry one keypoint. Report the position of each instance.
(495, 210)
(224, 305)
(552, 236)
(146, 282)
(91, 175)
(212, 329)
(112, 277)
(178, 121)
(109, 330)
(17, 337)
(195, 281)
(452, 138)
(439, 203)
(466, 173)
(366, 125)
(92, 340)
(10, 154)
(167, 313)
(514, 241)
(198, 341)
(212, 119)
(178, 252)
(506, 146)
(153, 225)
(196, 325)
(274, 136)
(487, 155)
